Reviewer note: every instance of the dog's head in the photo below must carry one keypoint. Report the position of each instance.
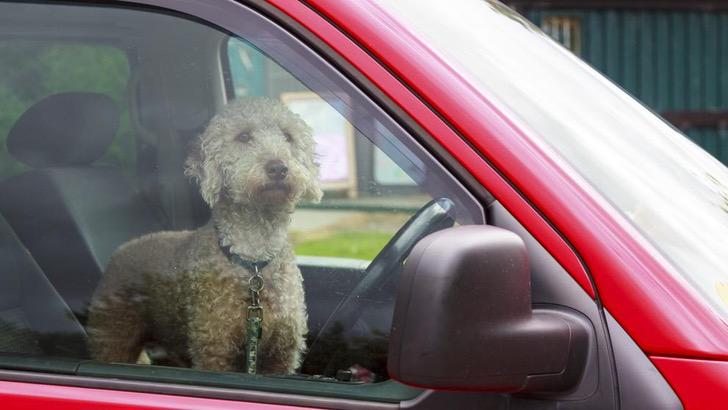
(256, 152)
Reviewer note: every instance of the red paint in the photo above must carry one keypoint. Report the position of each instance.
(635, 283)
(29, 396)
(701, 384)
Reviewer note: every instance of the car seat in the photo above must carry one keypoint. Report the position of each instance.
(34, 319)
(70, 213)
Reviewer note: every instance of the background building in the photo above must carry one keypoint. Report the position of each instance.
(672, 55)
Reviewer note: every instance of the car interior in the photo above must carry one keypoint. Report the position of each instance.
(66, 208)
(78, 196)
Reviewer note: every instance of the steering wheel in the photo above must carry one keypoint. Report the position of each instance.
(376, 287)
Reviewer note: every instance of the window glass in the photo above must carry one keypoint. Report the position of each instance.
(368, 196)
(269, 201)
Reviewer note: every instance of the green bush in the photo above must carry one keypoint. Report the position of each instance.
(345, 244)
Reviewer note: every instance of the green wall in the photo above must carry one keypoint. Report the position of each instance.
(671, 60)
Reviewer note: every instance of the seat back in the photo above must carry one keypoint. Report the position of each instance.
(33, 318)
(68, 212)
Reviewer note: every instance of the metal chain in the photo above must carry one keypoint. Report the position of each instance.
(254, 322)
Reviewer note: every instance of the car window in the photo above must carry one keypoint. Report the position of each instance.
(368, 196)
(255, 220)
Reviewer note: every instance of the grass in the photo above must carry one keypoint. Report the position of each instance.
(345, 244)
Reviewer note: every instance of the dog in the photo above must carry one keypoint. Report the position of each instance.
(188, 291)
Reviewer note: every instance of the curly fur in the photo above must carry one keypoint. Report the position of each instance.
(180, 291)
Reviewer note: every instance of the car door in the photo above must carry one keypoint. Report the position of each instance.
(98, 133)
(385, 157)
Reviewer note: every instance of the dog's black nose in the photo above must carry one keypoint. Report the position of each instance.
(276, 170)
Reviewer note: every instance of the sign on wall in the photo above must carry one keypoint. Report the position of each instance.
(334, 139)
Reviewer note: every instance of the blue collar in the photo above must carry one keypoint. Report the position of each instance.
(253, 266)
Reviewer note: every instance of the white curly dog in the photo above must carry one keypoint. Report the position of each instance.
(188, 291)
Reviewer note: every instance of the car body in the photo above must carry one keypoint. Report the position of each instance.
(658, 341)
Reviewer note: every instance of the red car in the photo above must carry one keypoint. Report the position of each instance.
(501, 228)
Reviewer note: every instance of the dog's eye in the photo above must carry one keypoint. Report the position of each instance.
(244, 137)
(288, 136)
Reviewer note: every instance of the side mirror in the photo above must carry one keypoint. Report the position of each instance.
(463, 319)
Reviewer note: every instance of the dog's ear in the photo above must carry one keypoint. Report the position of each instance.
(204, 169)
(313, 192)
(312, 188)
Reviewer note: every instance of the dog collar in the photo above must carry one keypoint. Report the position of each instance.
(253, 266)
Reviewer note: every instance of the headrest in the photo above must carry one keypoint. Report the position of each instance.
(64, 129)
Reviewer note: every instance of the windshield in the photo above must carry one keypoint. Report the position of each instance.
(672, 190)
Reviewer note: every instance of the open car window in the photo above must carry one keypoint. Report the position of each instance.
(212, 177)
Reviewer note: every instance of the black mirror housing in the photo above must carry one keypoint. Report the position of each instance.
(463, 319)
